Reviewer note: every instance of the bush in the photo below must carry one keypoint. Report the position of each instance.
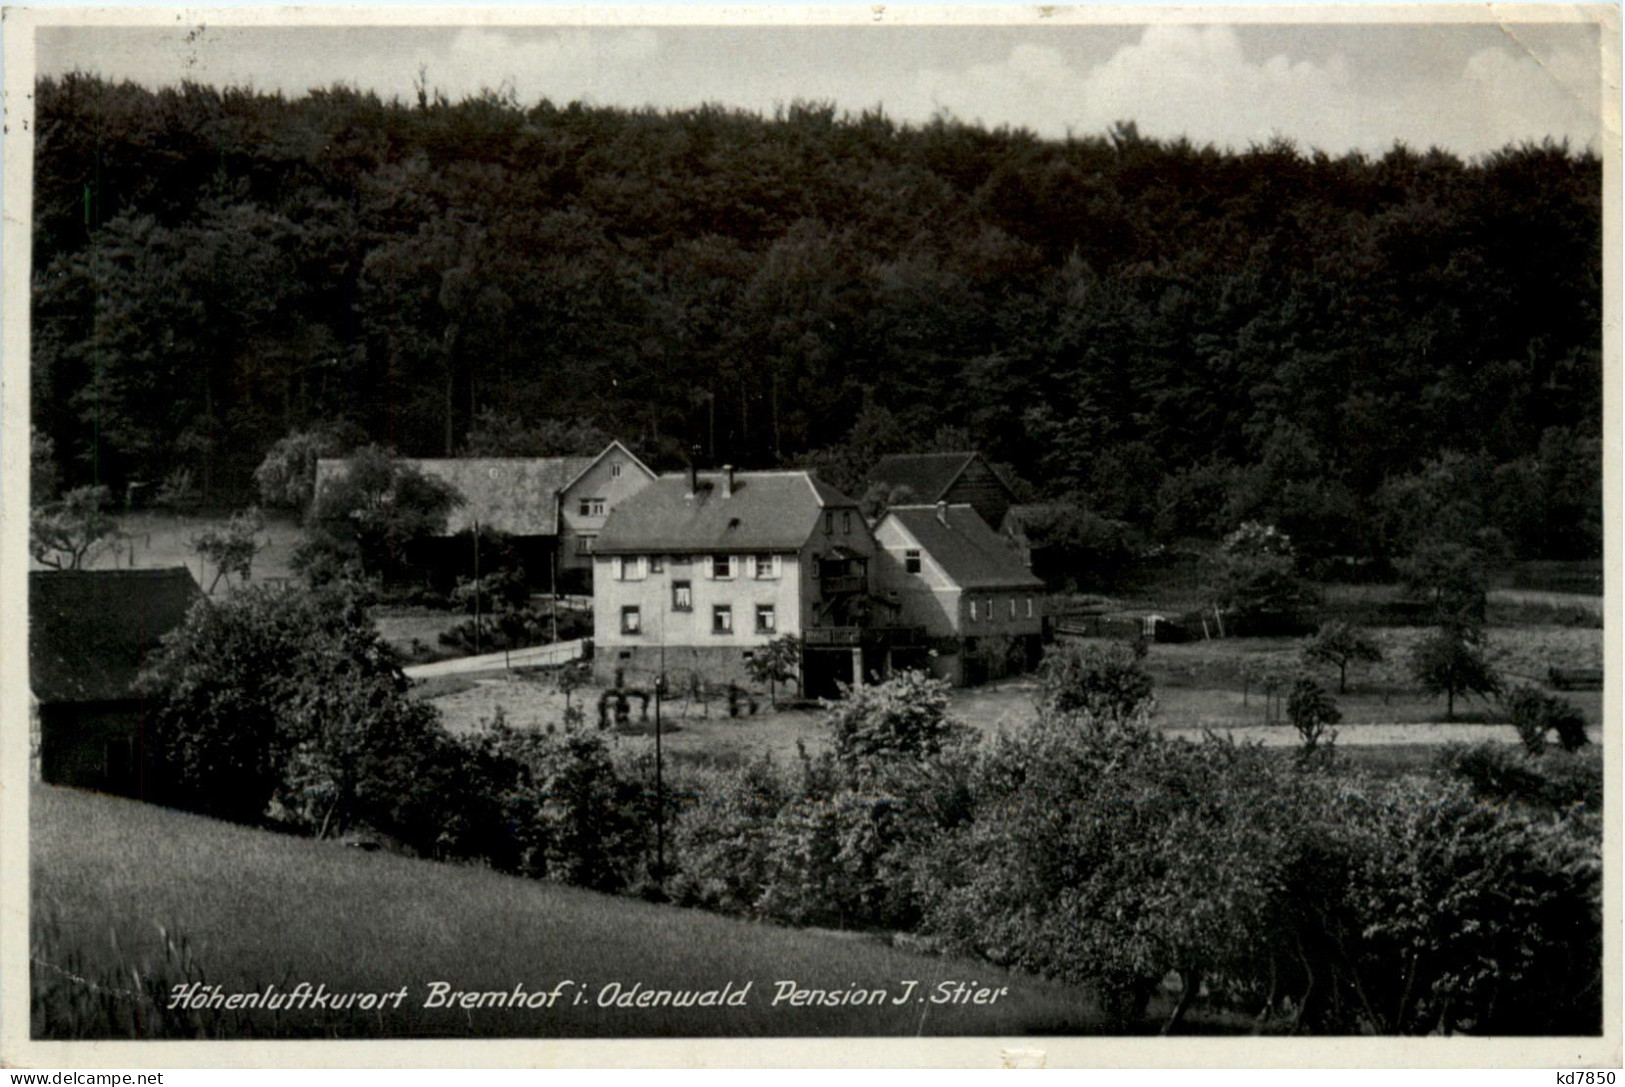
(1101, 682)
(723, 838)
(831, 841)
(1363, 905)
(1415, 908)
(1537, 715)
(1110, 856)
(574, 813)
(1551, 781)
(906, 716)
(287, 708)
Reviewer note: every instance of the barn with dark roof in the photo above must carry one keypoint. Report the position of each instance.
(956, 478)
(547, 510)
(89, 632)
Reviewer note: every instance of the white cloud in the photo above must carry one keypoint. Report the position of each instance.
(562, 65)
(1527, 97)
(1198, 81)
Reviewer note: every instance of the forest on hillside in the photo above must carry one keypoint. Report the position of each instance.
(1173, 336)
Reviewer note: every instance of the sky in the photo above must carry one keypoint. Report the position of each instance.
(1468, 88)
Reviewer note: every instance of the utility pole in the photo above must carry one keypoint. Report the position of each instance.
(660, 789)
(476, 586)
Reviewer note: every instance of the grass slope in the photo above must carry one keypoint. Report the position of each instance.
(255, 908)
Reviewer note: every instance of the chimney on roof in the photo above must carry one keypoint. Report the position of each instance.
(693, 477)
(728, 481)
(942, 512)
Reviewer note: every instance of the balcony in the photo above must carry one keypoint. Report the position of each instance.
(826, 636)
(870, 637)
(842, 584)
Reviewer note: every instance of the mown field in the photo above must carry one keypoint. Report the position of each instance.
(129, 899)
(1199, 685)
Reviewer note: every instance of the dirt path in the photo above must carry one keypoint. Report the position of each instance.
(1374, 735)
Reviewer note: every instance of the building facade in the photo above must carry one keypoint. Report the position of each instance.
(584, 503)
(954, 576)
(698, 571)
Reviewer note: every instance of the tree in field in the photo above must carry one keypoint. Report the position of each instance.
(1099, 682)
(374, 512)
(1256, 577)
(231, 548)
(1341, 643)
(1452, 661)
(286, 478)
(1312, 712)
(779, 661)
(65, 533)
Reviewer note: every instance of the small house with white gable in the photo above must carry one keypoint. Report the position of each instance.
(958, 579)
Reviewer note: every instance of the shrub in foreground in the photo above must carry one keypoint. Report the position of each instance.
(1113, 856)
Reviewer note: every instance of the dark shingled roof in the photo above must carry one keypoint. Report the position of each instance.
(970, 553)
(768, 511)
(516, 495)
(927, 475)
(90, 630)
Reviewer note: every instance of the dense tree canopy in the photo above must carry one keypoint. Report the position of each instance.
(1182, 337)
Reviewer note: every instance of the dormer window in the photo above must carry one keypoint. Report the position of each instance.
(911, 560)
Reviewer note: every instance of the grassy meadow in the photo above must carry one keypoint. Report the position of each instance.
(129, 899)
(150, 538)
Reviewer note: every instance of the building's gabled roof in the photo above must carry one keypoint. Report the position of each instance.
(90, 630)
(972, 555)
(608, 449)
(767, 511)
(926, 475)
(516, 495)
